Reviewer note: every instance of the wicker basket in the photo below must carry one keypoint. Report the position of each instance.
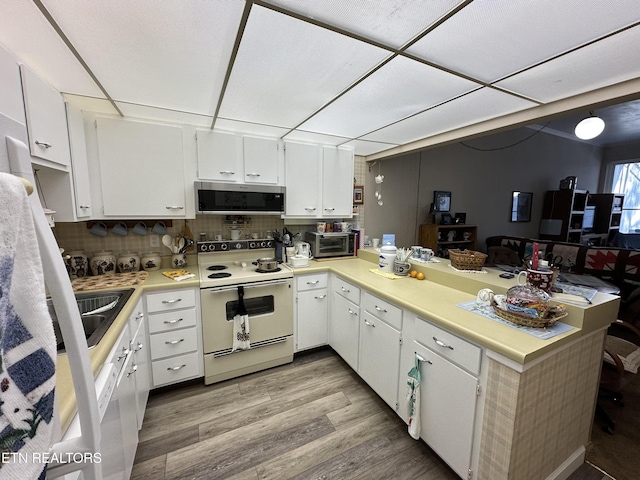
(527, 321)
(467, 259)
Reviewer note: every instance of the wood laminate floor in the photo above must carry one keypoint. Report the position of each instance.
(311, 419)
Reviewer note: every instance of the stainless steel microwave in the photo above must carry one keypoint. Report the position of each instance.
(231, 199)
(331, 244)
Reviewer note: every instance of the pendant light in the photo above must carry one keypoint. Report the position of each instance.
(589, 127)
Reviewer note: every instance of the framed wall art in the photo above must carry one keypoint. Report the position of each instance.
(358, 194)
(521, 206)
(441, 201)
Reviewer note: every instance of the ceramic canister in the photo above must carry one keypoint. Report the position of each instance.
(103, 262)
(387, 258)
(128, 262)
(77, 264)
(151, 261)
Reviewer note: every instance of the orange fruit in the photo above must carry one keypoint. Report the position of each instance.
(420, 276)
(413, 273)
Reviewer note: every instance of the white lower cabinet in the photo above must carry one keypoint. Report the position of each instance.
(344, 321)
(448, 394)
(140, 367)
(175, 335)
(311, 310)
(379, 347)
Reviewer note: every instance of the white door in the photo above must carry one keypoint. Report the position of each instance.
(447, 409)
(219, 156)
(302, 180)
(379, 362)
(344, 326)
(141, 168)
(260, 160)
(312, 312)
(337, 182)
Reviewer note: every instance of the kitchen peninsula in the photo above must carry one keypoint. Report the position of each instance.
(534, 401)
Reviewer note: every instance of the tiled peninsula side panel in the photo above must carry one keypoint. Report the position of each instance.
(533, 421)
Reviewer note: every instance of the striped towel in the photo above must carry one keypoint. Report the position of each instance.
(27, 341)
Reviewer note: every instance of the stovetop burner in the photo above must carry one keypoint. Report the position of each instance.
(258, 270)
(217, 267)
(219, 275)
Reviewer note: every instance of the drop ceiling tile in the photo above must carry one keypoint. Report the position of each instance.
(489, 40)
(250, 128)
(365, 147)
(391, 22)
(164, 115)
(476, 107)
(598, 65)
(286, 69)
(400, 88)
(25, 32)
(312, 137)
(169, 54)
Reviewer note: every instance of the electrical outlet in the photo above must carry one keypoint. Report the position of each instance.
(154, 240)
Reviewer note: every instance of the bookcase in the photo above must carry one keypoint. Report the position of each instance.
(436, 237)
(608, 213)
(567, 206)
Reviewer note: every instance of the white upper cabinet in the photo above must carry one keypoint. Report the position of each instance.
(219, 156)
(233, 158)
(337, 182)
(141, 169)
(260, 160)
(79, 164)
(319, 181)
(46, 121)
(302, 171)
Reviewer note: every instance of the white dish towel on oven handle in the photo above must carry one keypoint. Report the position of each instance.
(241, 338)
(413, 397)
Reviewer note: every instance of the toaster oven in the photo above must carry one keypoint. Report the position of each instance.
(331, 244)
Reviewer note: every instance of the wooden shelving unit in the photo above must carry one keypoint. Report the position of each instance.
(608, 213)
(568, 207)
(436, 237)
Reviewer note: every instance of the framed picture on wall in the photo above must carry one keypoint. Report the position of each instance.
(441, 201)
(521, 206)
(358, 194)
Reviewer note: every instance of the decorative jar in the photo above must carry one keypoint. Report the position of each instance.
(103, 262)
(128, 262)
(77, 264)
(151, 261)
(178, 260)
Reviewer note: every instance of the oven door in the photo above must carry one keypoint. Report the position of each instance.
(270, 308)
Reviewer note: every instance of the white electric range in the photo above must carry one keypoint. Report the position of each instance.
(227, 275)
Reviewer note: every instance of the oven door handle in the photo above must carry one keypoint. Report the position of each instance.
(250, 285)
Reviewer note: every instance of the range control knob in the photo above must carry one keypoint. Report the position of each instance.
(223, 246)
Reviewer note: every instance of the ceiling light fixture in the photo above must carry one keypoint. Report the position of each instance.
(589, 127)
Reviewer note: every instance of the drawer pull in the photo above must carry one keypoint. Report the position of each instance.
(442, 344)
(171, 322)
(315, 282)
(133, 370)
(421, 359)
(174, 342)
(346, 290)
(138, 348)
(381, 309)
(352, 312)
(173, 369)
(227, 172)
(310, 208)
(139, 316)
(43, 144)
(330, 209)
(369, 324)
(320, 297)
(172, 301)
(125, 352)
(85, 206)
(174, 207)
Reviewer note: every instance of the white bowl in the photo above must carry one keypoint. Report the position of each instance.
(299, 261)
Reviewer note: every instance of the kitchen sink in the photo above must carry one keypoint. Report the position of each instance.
(97, 310)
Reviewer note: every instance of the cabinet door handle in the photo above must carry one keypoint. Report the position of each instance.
(313, 209)
(171, 322)
(320, 297)
(381, 309)
(139, 316)
(177, 367)
(124, 354)
(352, 312)
(174, 207)
(314, 282)
(422, 359)
(138, 348)
(43, 144)
(172, 301)
(85, 206)
(133, 370)
(253, 174)
(369, 324)
(227, 172)
(442, 344)
(345, 289)
(330, 209)
(174, 342)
